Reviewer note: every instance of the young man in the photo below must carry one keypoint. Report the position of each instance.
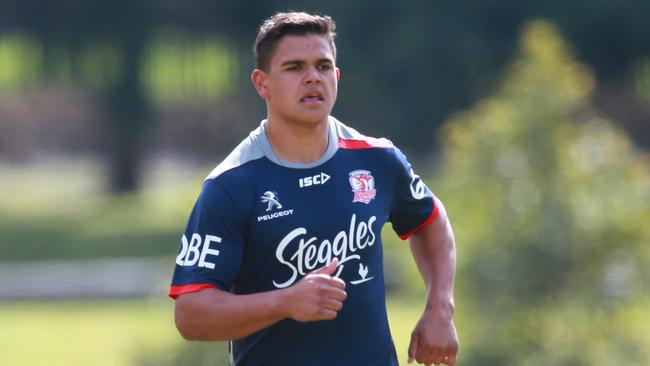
(282, 254)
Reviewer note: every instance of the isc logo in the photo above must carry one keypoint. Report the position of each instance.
(190, 253)
(314, 180)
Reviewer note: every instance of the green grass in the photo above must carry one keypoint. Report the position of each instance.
(403, 313)
(83, 333)
(125, 333)
(63, 212)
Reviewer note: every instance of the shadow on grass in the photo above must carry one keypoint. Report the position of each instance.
(186, 353)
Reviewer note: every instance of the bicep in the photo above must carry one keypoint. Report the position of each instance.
(193, 309)
(211, 248)
(435, 238)
(413, 204)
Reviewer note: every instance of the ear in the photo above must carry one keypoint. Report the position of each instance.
(338, 74)
(258, 77)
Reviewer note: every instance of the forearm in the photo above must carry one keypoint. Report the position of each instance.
(434, 251)
(215, 315)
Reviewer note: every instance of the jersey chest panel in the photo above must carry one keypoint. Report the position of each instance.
(303, 218)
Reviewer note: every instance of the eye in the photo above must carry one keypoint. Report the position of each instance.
(293, 68)
(325, 66)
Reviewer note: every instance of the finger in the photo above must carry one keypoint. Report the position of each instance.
(328, 269)
(324, 280)
(327, 314)
(428, 355)
(326, 291)
(336, 294)
(438, 355)
(337, 282)
(424, 357)
(437, 359)
(449, 355)
(334, 305)
(413, 347)
(449, 359)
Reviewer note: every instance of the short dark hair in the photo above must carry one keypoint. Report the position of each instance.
(294, 23)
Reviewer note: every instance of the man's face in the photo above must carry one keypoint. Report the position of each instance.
(301, 83)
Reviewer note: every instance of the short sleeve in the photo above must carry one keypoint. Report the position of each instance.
(212, 245)
(413, 206)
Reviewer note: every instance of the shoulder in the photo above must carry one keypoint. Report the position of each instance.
(248, 151)
(231, 184)
(351, 139)
(383, 148)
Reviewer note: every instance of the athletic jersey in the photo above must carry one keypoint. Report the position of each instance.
(261, 223)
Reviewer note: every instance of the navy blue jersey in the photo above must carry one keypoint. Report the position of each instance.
(262, 224)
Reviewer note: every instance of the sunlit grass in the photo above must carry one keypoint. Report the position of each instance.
(83, 333)
(122, 333)
(403, 314)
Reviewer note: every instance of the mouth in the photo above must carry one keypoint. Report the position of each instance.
(312, 97)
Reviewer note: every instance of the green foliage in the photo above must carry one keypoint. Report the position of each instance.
(179, 68)
(550, 206)
(175, 67)
(642, 78)
(20, 60)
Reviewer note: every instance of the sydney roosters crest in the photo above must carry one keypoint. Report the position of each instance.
(363, 186)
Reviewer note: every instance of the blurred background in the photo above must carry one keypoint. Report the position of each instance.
(530, 120)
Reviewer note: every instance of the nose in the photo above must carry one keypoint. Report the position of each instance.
(313, 76)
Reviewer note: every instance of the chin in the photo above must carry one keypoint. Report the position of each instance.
(312, 118)
(317, 120)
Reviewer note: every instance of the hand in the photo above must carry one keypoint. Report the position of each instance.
(434, 340)
(318, 296)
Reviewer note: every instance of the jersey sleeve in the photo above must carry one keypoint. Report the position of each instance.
(212, 246)
(413, 206)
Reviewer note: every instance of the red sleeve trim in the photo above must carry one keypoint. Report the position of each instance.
(363, 144)
(434, 214)
(175, 291)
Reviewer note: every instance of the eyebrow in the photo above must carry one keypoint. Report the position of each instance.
(301, 62)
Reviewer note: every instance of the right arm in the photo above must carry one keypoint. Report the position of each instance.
(216, 315)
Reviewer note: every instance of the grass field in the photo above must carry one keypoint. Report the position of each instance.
(83, 333)
(61, 210)
(125, 333)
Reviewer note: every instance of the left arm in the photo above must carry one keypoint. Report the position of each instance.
(434, 338)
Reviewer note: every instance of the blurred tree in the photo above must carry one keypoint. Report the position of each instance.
(406, 66)
(550, 203)
(106, 47)
(413, 64)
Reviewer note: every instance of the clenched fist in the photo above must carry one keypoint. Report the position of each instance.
(318, 296)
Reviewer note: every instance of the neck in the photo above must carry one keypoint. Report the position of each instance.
(297, 143)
